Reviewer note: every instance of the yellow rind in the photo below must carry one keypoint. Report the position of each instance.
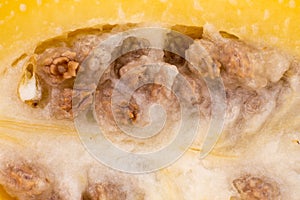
(23, 24)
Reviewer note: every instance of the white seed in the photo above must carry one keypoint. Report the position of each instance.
(29, 89)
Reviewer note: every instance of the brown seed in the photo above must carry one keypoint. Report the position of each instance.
(69, 54)
(53, 69)
(72, 67)
(60, 60)
(67, 75)
(61, 69)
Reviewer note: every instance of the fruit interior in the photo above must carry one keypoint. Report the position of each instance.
(262, 93)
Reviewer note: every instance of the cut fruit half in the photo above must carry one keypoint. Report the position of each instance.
(252, 48)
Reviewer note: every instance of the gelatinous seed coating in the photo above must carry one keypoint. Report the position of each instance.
(108, 191)
(254, 67)
(126, 57)
(61, 103)
(84, 44)
(27, 181)
(253, 188)
(111, 191)
(254, 104)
